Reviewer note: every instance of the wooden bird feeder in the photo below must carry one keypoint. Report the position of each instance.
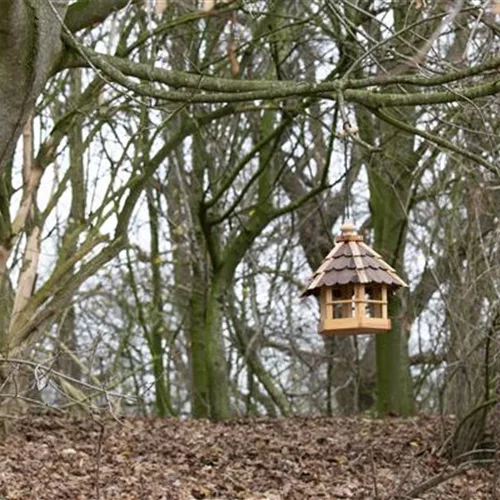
(353, 284)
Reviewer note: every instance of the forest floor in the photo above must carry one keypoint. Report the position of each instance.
(53, 457)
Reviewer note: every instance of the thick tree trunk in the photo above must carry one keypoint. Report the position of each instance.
(390, 185)
(210, 382)
(215, 356)
(29, 47)
(200, 402)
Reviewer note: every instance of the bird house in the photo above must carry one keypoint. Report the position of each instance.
(353, 284)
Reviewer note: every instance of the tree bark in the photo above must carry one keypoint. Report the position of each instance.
(30, 44)
(390, 190)
(86, 13)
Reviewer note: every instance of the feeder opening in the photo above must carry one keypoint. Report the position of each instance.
(341, 303)
(376, 301)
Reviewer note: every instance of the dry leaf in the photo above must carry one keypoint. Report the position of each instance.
(160, 6)
(101, 101)
(325, 458)
(235, 65)
(208, 5)
(495, 6)
(68, 451)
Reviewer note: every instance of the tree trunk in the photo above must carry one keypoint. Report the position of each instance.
(67, 334)
(200, 401)
(390, 189)
(215, 357)
(29, 47)
(157, 330)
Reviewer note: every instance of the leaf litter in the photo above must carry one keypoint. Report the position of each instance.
(61, 457)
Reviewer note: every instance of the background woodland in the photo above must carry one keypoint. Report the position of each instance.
(171, 173)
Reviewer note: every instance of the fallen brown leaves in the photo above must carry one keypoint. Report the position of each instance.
(53, 457)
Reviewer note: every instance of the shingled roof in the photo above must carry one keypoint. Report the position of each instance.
(352, 261)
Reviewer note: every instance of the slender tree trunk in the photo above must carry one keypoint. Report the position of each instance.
(67, 332)
(157, 330)
(256, 370)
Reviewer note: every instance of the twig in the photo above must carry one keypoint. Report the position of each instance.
(98, 458)
(449, 441)
(496, 457)
(397, 491)
(436, 480)
(50, 370)
(374, 476)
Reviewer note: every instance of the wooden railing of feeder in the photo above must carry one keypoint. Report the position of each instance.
(354, 285)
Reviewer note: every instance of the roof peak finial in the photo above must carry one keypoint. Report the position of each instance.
(348, 227)
(348, 233)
